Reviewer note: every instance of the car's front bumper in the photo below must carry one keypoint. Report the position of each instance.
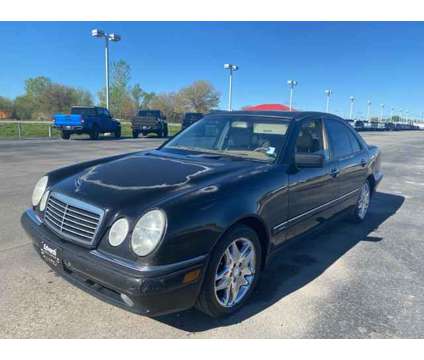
(149, 290)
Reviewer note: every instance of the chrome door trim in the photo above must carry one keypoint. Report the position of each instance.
(285, 224)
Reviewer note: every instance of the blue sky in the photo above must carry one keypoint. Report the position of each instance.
(382, 62)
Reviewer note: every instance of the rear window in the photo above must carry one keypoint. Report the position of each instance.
(84, 111)
(149, 113)
(193, 116)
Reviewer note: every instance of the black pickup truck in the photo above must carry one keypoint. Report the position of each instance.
(196, 221)
(190, 118)
(149, 121)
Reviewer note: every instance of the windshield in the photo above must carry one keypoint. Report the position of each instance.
(252, 137)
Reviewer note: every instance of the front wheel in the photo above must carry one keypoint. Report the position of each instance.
(232, 273)
(65, 135)
(94, 134)
(361, 208)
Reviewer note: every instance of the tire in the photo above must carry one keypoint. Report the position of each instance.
(65, 135)
(94, 134)
(211, 300)
(118, 133)
(135, 134)
(360, 210)
(165, 132)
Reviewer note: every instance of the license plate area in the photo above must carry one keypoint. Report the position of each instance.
(51, 254)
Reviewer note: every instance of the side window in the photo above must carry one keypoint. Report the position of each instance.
(310, 138)
(340, 138)
(356, 146)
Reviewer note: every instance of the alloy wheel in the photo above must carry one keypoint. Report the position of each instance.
(235, 272)
(364, 200)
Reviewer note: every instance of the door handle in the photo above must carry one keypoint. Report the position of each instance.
(334, 172)
(363, 162)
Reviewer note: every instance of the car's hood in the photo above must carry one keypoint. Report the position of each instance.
(148, 178)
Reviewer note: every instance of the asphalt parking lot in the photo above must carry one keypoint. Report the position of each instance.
(351, 281)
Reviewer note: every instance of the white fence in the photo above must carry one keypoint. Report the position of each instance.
(49, 125)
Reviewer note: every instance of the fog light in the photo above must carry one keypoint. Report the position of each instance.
(127, 300)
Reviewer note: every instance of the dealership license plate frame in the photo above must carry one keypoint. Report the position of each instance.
(51, 254)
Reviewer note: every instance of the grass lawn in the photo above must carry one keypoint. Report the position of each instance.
(10, 131)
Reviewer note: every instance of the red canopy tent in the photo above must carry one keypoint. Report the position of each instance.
(268, 107)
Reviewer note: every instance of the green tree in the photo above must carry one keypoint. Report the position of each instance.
(121, 101)
(169, 104)
(137, 94)
(43, 98)
(6, 104)
(201, 96)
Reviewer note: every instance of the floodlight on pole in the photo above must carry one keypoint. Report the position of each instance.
(97, 33)
(292, 84)
(328, 93)
(352, 100)
(231, 68)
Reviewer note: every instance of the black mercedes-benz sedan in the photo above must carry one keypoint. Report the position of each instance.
(195, 221)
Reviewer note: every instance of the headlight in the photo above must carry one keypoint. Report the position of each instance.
(39, 189)
(118, 232)
(148, 232)
(43, 201)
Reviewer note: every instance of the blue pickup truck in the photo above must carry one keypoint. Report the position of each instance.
(91, 120)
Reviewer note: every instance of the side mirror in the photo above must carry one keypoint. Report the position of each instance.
(309, 160)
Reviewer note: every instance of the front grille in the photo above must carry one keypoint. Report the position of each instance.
(72, 219)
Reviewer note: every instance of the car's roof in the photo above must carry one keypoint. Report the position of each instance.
(287, 115)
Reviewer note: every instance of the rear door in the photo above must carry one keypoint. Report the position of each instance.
(351, 158)
(310, 189)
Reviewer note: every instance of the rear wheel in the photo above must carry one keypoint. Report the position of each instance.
(361, 208)
(65, 135)
(135, 134)
(165, 131)
(232, 273)
(94, 134)
(118, 133)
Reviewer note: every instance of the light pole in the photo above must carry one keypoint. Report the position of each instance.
(292, 84)
(369, 110)
(97, 33)
(406, 116)
(392, 110)
(328, 93)
(352, 100)
(401, 115)
(382, 112)
(232, 68)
